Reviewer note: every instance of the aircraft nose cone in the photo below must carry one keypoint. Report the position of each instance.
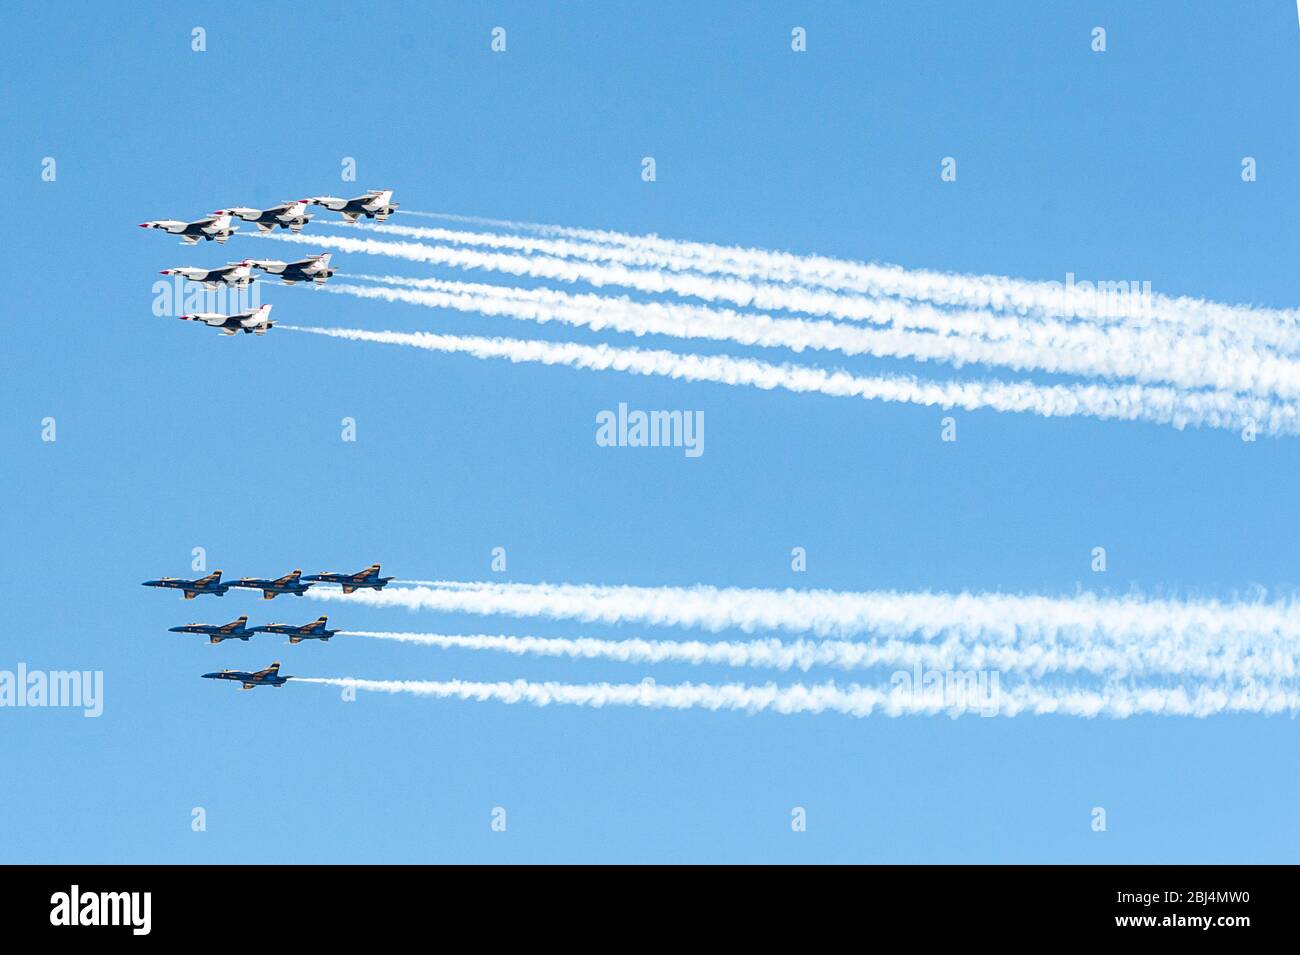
(175, 630)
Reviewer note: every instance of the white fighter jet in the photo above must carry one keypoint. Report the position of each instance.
(287, 215)
(255, 321)
(212, 227)
(234, 274)
(314, 268)
(376, 204)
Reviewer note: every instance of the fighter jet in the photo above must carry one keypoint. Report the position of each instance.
(211, 227)
(256, 321)
(234, 274)
(211, 584)
(362, 578)
(235, 630)
(287, 215)
(268, 677)
(308, 631)
(288, 584)
(376, 204)
(314, 268)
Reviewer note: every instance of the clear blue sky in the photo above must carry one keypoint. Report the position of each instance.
(1117, 165)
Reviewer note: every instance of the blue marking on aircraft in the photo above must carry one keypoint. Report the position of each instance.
(308, 631)
(268, 677)
(235, 630)
(288, 584)
(363, 578)
(211, 584)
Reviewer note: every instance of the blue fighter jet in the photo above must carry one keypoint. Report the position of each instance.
(308, 631)
(350, 582)
(211, 584)
(268, 677)
(288, 584)
(235, 630)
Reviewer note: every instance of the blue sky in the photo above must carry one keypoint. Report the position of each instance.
(1123, 164)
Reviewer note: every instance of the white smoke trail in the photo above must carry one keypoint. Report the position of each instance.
(853, 700)
(986, 617)
(1250, 661)
(1279, 328)
(1119, 402)
(501, 223)
(710, 288)
(1078, 350)
(440, 583)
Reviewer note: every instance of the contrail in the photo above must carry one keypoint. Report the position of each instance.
(1115, 402)
(1077, 350)
(1278, 328)
(853, 700)
(1134, 658)
(987, 617)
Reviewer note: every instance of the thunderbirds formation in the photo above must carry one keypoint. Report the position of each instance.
(377, 204)
(238, 629)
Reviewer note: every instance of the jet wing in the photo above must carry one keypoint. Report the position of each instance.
(253, 317)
